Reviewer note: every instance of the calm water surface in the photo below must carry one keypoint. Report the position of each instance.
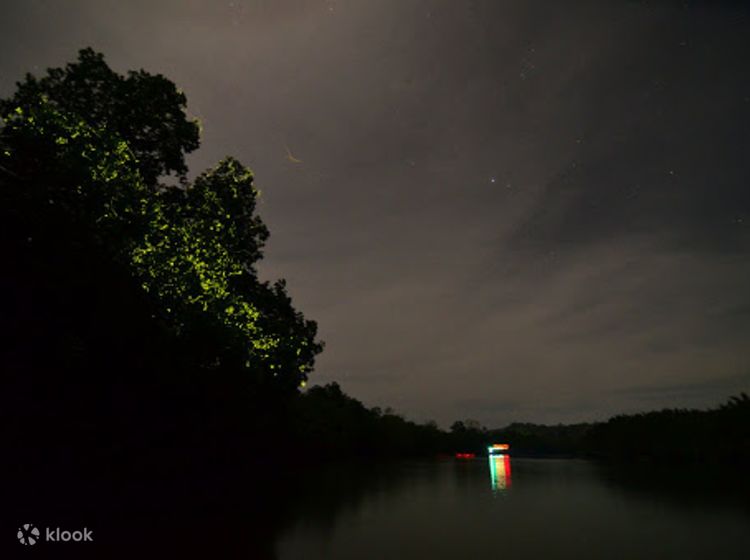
(516, 508)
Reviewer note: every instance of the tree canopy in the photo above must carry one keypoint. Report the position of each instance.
(81, 154)
(146, 111)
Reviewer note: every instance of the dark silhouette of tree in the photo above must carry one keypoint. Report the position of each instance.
(331, 423)
(468, 436)
(716, 435)
(720, 435)
(136, 333)
(194, 250)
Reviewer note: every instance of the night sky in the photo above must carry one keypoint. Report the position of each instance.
(500, 210)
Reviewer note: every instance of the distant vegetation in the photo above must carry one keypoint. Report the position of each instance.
(330, 423)
(718, 435)
(333, 423)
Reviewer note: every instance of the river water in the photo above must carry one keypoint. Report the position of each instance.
(516, 508)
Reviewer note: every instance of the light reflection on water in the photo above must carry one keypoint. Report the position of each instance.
(500, 472)
(557, 509)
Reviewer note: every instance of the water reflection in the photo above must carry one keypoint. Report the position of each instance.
(562, 510)
(500, 472)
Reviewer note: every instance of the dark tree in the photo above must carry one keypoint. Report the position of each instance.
(74, 156)
(134, 323)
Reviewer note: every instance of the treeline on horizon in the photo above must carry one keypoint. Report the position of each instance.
(335, 424)
(139, 344)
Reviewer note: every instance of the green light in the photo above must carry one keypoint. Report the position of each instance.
(499, 472)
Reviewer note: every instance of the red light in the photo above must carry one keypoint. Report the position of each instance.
(465, 455)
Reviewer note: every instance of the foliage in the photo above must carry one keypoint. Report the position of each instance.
(329, 422)
(55, 167)
(192, 249)
(198, 259)
(539, 440)
(136, 336)
(469, 436)
(146, 111)
(721, 434)
(716, 435)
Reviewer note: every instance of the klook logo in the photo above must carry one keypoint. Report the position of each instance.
(29, 535)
